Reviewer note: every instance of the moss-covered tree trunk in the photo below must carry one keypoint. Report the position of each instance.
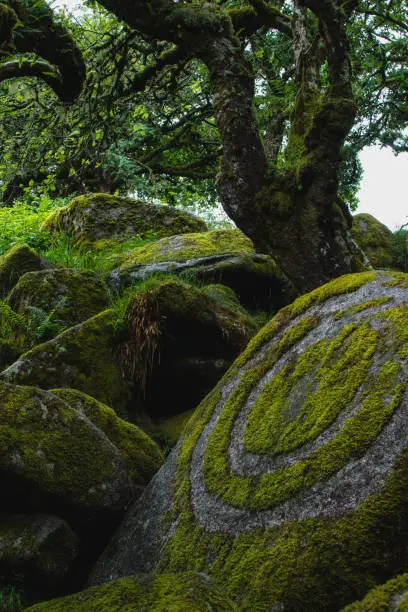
(291, 214)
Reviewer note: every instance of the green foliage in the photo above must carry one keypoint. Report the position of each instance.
(22, 223)
(400, 250)
(10, 599)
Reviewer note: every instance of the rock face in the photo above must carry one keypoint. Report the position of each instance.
(389, 597)
(64, 296)
(142, 456)
(100, 216)
(79, 358)
(375, 239)
(54, 459)
(180, 341)
(189, 592)
(16, 262)
(289, 485)
(36, 552)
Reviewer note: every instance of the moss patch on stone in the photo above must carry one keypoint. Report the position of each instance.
(13, 335)
(142, 455)
(389, 597)
(100, 216)
(82, 358)
(159, 593)
(64, 297)
(374, 238)
(191, 246)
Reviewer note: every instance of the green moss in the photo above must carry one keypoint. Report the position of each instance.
(182, 592)
(14, 263)
(8, 22)
(13, 335)
(171, 428)
(80, 358)
(191, 246)
(44, 441)
(361, 307)
(389, 597)
(95, 217)
(375, 239)
(142, 455)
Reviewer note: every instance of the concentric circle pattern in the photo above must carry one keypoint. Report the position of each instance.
(313, 422)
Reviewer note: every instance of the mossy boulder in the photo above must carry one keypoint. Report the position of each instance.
(81, 357)
(180, 341)
(389, 597)
(15, 262)
(99, 216)
(191, 246)
(256, 279)
(59, 298)
(53, 459)
(142, 455)
(188, 592)
(290, 483)
(37, 553)
(375, 239)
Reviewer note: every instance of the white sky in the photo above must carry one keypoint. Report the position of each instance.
(384, 188)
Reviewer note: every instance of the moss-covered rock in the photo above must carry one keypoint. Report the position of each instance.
(180, 339)
(142, 455)
(389, 597)
(290, 482)
(15, 262)
(36, 554)
(53, 459)
(60, 298)
(188, 592)
(375, 239)
(170, 429)
(98, 216)
(256, 279)
(191, 246)
(80, 358)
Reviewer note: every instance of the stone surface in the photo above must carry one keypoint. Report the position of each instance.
(289, 484)
(375, 239)
(99, 216)
(178, 592)
(79, 358)
(36, 553)
(62, 297)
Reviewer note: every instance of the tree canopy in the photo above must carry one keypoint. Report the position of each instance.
(275, 98)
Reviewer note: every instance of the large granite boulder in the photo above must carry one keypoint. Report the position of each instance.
(80, 358)
(63, 297)
(290, 483)
(180, 341)
(389, 597)
(37, 553)
(15, 262)
(220, 256)
(375, 239)
(98, 216)
(178, 592)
